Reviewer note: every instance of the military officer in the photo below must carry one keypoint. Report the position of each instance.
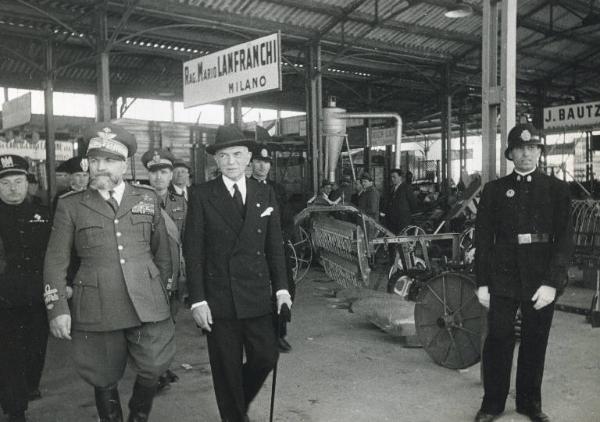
(24, 232)
(79, 177)
(120, 305)
(261, 165)
(234, 255)
(62, 177)
(523, 240)
(159, 163)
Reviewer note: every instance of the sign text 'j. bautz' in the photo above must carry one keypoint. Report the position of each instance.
(583, 115)
(241, 70)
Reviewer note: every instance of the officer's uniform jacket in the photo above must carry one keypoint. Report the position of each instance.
(125, 262)
(24, 232)
(234, 264)
(509, 207)
(175, 206)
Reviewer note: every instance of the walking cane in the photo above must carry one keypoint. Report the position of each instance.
(284, 315)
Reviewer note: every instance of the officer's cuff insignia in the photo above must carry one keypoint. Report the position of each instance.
(267, 212)
(50, 296)
(510, 193)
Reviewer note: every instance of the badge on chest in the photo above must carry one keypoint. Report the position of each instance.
(145, 206)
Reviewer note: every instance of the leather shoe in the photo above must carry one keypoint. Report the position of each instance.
(536, 416)
(481, 416)
(284, 346)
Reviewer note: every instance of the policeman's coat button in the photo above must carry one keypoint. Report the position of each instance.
(118, 234)
(258, 253)
(120, 247)
(258, 230)
(122, 261)
(116, 221)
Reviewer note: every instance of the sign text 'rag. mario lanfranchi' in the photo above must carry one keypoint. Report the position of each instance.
(237, 71)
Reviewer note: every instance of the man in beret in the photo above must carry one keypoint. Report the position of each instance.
(261, 165)
(24, 232)
(159, 163)
(120, 307)
(181, 178)
(523, 240)
(235, 265)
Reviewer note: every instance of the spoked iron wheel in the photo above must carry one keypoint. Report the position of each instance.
(448, 320)
(301, 252)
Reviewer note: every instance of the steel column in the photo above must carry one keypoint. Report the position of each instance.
(489, 88)
(49, 123)
(227, 112)
(237, 112)
(508, 71)
(314, 112)
(102, 69)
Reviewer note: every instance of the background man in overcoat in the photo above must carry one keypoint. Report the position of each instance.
(24, 232)
(400, 203)
(523, 240)
(234, 255)
(120, 308)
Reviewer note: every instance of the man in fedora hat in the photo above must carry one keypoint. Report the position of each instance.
(120, 308)
(235, 264)
(523, 240)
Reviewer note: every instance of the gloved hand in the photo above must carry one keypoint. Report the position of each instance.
(483, 295)
(283, 298)
(543, 296)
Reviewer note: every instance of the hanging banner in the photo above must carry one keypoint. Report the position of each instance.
(37, 150)
(244, 69)
(582, 115)
(16, 112)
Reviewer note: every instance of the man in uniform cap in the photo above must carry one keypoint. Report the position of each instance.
(159, 163)
(24, 232)
(62, 177)
(79, 177)
(120, 307)
(181, 178)
(235, 263)
(523, 240)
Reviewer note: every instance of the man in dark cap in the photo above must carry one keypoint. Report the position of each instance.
(181, 178)
(368, 198)
(62, 177)
(24, 232)
(79, 177)
(120, 308)
(159, 163)
(523, 240)
(235, 264)
(261, 165)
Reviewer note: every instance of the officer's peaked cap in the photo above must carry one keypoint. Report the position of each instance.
(262, 153)
(230, 136)
(156, 159)
(109, 139)
(522, 134)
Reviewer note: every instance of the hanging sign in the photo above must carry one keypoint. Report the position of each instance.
(572, 116)
(380, 136)
(244, 69)
(16, 112)
(37, 150)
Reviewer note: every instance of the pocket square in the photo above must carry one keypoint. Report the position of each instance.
(267, 212)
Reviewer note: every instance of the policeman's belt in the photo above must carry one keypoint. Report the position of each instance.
(527, 238)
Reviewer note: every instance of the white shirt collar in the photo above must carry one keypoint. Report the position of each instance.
(526, 173)
(118, 195)
(181, 191)
(241, 184)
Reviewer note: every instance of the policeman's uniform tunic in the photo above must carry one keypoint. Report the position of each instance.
(24, 232)
(523, 240)
(120, 306)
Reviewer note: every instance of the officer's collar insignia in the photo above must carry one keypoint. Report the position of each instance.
(510, 193)
(50, 296)
(84, 164)
(526, 135)
(264, 153)
(7, 162)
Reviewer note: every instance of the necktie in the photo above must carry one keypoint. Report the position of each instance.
(237, 198)
(112, 201)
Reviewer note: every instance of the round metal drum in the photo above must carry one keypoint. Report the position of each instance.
(448, 320)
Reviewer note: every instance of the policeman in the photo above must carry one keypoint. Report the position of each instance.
(159, 163)
(120, 307)
(24, 232)
(523, 240)
(261, 165)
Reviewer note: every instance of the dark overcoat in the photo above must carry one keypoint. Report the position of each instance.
(509, 207)
(234, 264)
(399, 206)
(125, 260)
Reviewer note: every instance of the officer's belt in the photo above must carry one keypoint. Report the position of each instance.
(527, 238)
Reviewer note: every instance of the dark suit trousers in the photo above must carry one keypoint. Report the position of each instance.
(236, 383)
(498, 354)
(24, 334)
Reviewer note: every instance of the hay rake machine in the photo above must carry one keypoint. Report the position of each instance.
(447, 313)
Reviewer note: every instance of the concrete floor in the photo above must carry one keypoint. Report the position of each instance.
(342, 369)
